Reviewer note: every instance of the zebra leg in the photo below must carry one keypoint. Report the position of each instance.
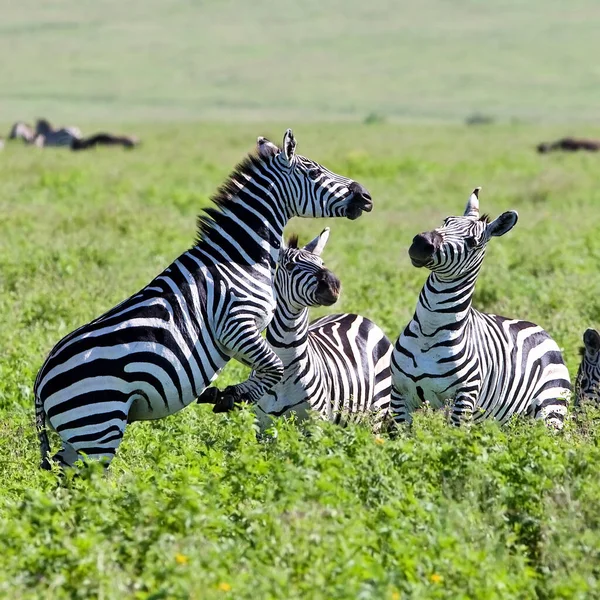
(399, 407)
(95, 445)
(243, 342)
(552, 410)
(462, 409)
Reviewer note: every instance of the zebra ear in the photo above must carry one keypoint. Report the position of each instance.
(318, 244)
(503, 224)
(289, 145)
(472, 208)
(591, 339)
(265, 148)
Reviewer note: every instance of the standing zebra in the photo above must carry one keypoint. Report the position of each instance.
(488, 366)
(337, 364)
(587, 385)
(154, 353)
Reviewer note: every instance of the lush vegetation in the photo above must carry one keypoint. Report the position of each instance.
(195, 505)
(341, 59)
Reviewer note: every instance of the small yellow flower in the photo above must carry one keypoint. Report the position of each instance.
(224, 587)
(435, 578)
(395, 595)
(379, 441)
(181, 559)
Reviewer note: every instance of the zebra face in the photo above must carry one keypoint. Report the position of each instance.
(308, 189)
(458, 246)
(302, 279)
(587, 385)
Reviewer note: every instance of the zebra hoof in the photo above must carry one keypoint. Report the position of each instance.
(209, 396)
(224, 404)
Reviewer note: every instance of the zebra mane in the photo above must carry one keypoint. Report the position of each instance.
(292, 241)
(485, 218)
(226, 193)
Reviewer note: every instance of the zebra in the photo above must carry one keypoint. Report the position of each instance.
(154, 353)
(336, 365)
(45, 135)
(587, 384)
(486, 365)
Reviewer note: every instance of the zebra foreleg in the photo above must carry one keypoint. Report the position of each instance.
(398, 410)
(552, 410)
(244, 343)
(463, 408)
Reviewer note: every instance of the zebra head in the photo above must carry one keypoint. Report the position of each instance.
(307, 188)
(458, 246)
(302, 280)
(587, 385)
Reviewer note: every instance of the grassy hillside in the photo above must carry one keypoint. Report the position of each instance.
(343, 59)
(194, 505)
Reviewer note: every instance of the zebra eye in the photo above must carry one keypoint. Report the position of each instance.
(289, 266)
(314, 173)
(471, 242)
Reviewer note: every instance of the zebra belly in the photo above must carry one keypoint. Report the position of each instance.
(426, 379)
(290, 395)
(140, 380)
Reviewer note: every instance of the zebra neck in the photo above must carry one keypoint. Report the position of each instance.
(445, 304)
(287, 334)
(247, 231)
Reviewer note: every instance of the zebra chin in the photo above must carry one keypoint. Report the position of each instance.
(356, 207)
(360, 201)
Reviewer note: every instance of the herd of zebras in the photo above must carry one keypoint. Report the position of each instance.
(159, 350)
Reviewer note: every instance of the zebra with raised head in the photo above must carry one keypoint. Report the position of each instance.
(154, 353)
(487, 366)
(338, 365)
(587, 384)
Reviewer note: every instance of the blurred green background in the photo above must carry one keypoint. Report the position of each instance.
(435, 60)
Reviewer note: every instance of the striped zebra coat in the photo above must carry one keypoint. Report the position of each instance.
(587, 384)
(154, 353)
(338, 365)
(484, 364)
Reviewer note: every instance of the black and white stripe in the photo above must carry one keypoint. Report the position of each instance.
(487, 366)
(587, 385)
(338, 365)
(154, 353)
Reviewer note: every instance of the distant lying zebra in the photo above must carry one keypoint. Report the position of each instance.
(487, 366)
(154, 353)
(338, 365)
(44, 135)
(47, 136)
(587, 385)
(569, 144)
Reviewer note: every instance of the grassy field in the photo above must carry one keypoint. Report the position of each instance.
(436, 60)
(194, 505)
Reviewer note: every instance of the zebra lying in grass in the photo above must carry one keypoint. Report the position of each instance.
(156, 352)
(46, 136)
(587, 385)
(338, 365)
(488, 366)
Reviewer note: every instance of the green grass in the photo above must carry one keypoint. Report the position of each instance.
(441, 60)
(194, 505)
